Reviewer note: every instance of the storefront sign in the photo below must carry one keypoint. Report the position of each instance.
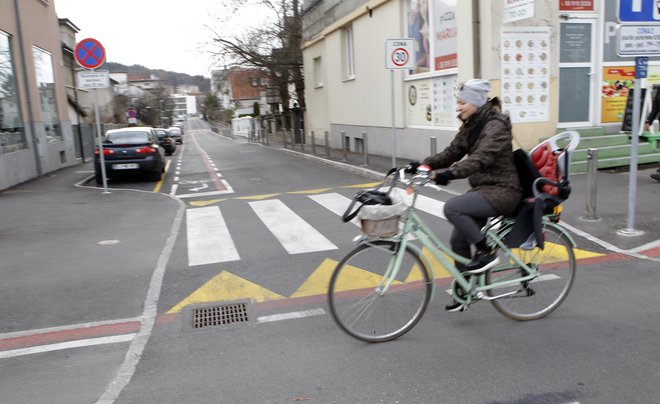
(576, 5)
(516, 10)
(446, 29)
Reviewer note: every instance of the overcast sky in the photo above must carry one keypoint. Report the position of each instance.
(158, 34)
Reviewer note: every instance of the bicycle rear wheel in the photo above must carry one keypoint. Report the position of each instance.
(360, 305)
(531, 300)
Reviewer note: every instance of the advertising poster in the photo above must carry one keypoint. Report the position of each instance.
(444, 101)
(419, 30)
(419, 102)
(617, 82)
(525, 53)
(445, 56)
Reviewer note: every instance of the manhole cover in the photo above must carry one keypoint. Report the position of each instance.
(215, 315)
(108, 242)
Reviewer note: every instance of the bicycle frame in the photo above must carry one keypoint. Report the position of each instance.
(415, 226)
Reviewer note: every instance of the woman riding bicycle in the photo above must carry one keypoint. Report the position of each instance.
(485, 137)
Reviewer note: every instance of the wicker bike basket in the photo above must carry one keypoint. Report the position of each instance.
(381, 220)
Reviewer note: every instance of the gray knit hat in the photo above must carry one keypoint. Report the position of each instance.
(474, 91)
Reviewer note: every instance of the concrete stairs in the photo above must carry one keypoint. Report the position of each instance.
(613, 149)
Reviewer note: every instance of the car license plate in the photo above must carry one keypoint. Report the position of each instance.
(126, 166)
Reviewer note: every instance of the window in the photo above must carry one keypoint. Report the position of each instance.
(12, 132)
(348, 53)
(43, 65)
(255, 81)
(318, 72)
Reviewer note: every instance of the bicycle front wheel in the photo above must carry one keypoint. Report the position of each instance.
(531, 300)
(372, 307)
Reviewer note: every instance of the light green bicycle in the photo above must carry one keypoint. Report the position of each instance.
(397, 275)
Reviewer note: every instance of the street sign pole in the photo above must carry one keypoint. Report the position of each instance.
(99, 136)
(641, 66)
(90, 54)
(399, 54)
(392, 112)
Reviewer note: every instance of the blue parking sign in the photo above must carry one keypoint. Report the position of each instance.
(639, 10)
(641, 67)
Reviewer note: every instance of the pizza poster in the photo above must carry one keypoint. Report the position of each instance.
(617, 82)
(525, 57)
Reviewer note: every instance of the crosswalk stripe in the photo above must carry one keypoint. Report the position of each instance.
(430, 206)
(335, 203)
(209, 240)
(295, 234)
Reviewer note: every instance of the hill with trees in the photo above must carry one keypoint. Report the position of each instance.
(169, 77)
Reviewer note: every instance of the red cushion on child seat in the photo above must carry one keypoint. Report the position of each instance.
(545, 161)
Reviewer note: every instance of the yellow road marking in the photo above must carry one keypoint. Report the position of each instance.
(311, 191)
(258, 197)
(368, 185)
(226, 287)
(159, 184)
(353, 278)
(206, 203)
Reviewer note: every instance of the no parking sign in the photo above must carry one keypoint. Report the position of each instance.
(400, 53)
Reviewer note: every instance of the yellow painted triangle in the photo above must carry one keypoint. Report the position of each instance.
(310, 191)
(206, 203)
(552, 253)
(353, 278)
(258, 197)
(439, 270)
(226, 287)
(369, 185)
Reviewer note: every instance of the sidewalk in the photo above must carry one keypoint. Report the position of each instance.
(612, 206)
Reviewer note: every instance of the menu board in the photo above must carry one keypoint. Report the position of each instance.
(525, 53)
(444, 101)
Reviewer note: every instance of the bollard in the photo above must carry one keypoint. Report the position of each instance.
(343, 146)
(434, 146)
(284, 137)
(313, 143)
(327, 144)
(302, 140)
(365, 148)
(592, 165)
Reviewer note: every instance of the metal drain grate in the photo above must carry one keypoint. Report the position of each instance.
(219, 315)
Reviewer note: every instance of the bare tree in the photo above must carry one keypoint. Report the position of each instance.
(275, 47)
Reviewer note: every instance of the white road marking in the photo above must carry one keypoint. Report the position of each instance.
(66, 345)
(209, 240)
(295, 234)
(287, 316)
(335, 203)
(430, 206)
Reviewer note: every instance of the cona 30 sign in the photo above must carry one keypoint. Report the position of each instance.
(399, 53)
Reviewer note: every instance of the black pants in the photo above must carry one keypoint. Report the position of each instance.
(468, 213)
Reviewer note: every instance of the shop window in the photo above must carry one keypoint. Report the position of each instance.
(43, 65)
(12, 131)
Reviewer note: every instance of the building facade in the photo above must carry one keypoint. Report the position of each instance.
(35, 127)
(553, 63)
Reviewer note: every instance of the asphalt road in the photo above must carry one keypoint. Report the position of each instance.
(598, 347)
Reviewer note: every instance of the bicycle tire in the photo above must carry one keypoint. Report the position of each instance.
(356, 304)
(541, 296)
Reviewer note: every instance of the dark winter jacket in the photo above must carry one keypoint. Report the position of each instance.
(485, 137)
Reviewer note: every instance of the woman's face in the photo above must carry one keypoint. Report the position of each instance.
(465, 109)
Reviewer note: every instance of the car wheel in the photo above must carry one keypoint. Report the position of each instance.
(98, 178)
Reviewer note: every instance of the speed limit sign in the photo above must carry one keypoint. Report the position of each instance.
(400, 53)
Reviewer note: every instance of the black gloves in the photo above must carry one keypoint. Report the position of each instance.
(443, 178)
(411, 168)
